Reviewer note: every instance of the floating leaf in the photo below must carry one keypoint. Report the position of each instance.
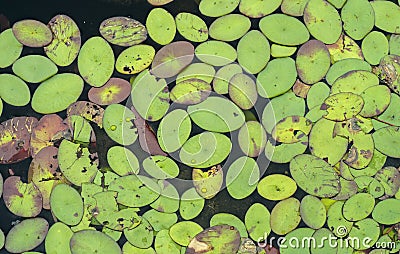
(313, 212)
(34, 68)
(161, 26)
(336, 222)
(284, 29)
(200, 71)
(243, 91)
(375, 46)
(253, 51)
(123, 31)
(191, 204)
(242, 177)
(301, 89)
(282, 51)
(14, 90)
(394, 44)
(164, 242)
(57, 93)
(387, 141)
(285, 216)
(172, 59)
(355, 82)
(92, 241)
(229, 27)
(358, 207)
(358, 18)
(32, 33)
(118, 124)
(88, 110)
(257, 221)
(216, 53)
(388, 70)
(183, 232)
(387, 211)
(285, 131)
(135, 59)
(191, 27)
(96, 61)
(284, 153)
(389, 177)
(376, 100)
(160, 167)
(66, 204)
(252, 138)
(343, 106)
(298, 233)
(140, 236)
(312, 61)
(319, 236)
(168, 202)
(344, 66)
(276, 187)
(294, 8)
(57, 238)
(159, 220)
(353, 50)
(208, 183)
(229, 219)
(66, 43)
(222, 77)
(387, 16)
(26, 235)
(11, 48)
(122, 160)
(363, 229)
(257, 8)
(217, 8)
(190, 91)
(317, 95)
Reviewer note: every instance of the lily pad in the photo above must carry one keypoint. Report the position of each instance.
(242, 177)
(159, 2)
(293, 8)
(159, 220)
(118, 124)
(343, 106)
(172, 59)
(164, 242)
(191, 27)
(11, 48)
(191, 204)
(57, 93)
(88, 110)
(323, 21)
(257, 221)
(284, 153)
(285, 216)
(229, 219)
(358, 18)
(13, 90)
(253, 51)
(243, 91)
(353, 50)
(344, 66)
(284, 29)
(387, 211)
(160, 167)
(319, 236)
(66, 204)
(22, 199)
(113, 91)
(32, 33)
(168, 202)
(389, 177)
(355, 82)
(26, 235)
(229, 27)
(208, 183)
(34, 68)
(276, 187)
(135, 59)
(375, 46)
(317, 95)
(183, 232)
(363, 229)
(216, 53)
(277, 77)
(286, 130)
(376, 100)
(282, 51)
(386, 141)
(217, 8)
(92, 241)
(257, 8)
(222, 77)
(252, 138)
(387, 16)
(312, 61)
(66, 43)
(313, 212)
(190, 91)
(298, 233)
(140, 236)
(161, 26)
(336, 222)
(200, 71)
(122, 160)
(57, 238)
(358, 207)
(96, 61)
(123, 31)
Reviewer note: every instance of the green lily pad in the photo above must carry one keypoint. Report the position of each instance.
(336, 222)
(66, 204)
(160, 167)
(285, 131)
(375, 46)
(32, 33)
(353, 50)
(284, 153)
(161, 26)
(172, 59)
(174, 130)
(200, 71)
(258, 8)
(140, 236)
(284, 29)
(208, 183)
(11, 48)
(355, 82)
(253, 51)
(135, 59)
(376, 100)
(229, 27)
(293, 8)
(242, 177)
(394, 44)
(343, 106)
(123, 31)
(317, 95)
(118, 124)
(220, 239)
(319, 236)
(310, 171)
(164, 243)
(376, 189)
(168, 202)
(312, 61)
(282, 51)
(277, 77)
(257, 221)
(389, 177)
(252, 138)
(387, 16)
(217, 8)
(57, 238)
(26, 235)
(216, 53)
(348, 188)
(191, 204)
(190, 91)
(34, 68)
(389, 116)
(183, 232)
(76, 163)
(313, 212)
(387, 141)
(344, 66)
(96, 61)
(92, 241)
(229, 219)
(361, 230)
(159, 2)
(13, 90)
(243, 91)
(135, 191)
(80, 129)
(361, 151)
(22, 199)
(57, 93)
(285, 216)
(377, 162)
(216, 114)
(298, 233)
(191, 27)
(358, 207)
(323, 21)
(276, 187)
(358, 18)
(222, 77)
(159, 220)
(115, 90)
(387, 211)
(122, 160)
(66, 43)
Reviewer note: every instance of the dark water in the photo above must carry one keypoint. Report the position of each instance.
(88, 15)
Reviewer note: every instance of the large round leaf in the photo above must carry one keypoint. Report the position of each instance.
(66, 204)
(14, 90)
(34, 68)
(32, 33)
(229, 27)
(11, 48)
(92, 241)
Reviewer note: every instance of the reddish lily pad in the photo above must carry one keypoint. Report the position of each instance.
(15, 137)
(20, 198)
(172, 58)
(113, 91)
(88, 110)
(32, 33)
